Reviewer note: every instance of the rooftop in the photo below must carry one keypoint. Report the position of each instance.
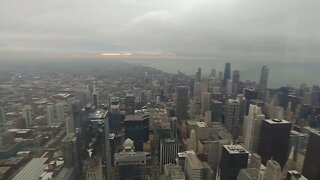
(32, 170)
(235, 149)
(98, 114)
(12, 161)
(277, 121)
(127, 158)
(184, 154)
(137, 116)
(297, 175)
(202, 124)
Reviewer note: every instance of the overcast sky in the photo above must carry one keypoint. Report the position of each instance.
(287, 30)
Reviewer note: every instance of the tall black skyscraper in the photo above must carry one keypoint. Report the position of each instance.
(198, 75)
(263, 82)
(233, 159)
(227, 74)
(311, 166)
(182, 99)
(274, 140)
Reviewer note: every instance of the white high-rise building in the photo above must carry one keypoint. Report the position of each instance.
(27, 115)
(229, 87)
(192, 141)
(55, 114)
(252, 127)
(194, 167)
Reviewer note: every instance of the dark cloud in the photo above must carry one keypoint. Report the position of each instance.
(233, 29)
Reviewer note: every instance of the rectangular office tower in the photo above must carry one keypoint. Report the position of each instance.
(71, 155)
(233, 159)
(130, 165)
(182, 99)
(193, 167)
(311, 166)
(216, 110)
(231, 117)
(274, 140)
(2, 115)
(169, 149)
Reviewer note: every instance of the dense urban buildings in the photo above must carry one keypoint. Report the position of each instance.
(123, 121)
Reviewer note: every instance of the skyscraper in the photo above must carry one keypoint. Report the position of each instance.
(236, 81)
(55, 114)
(263, 84)
(194, 167)
(95, 102)
(130, 103)
(27, 115)
(76, 113)
(311, 166)
(130, 165)
(107, 146)
(205, 102)
(94, 169)
(227, 74)
(234, 158)
(70, 125)
(231, 117)
(169, 149)
(182, 98)
(198, 75)
(71, 154)
(216, 109)
(2, 115)
(252, 127)
(274, 140)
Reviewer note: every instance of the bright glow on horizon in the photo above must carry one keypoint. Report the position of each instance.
(117, 54)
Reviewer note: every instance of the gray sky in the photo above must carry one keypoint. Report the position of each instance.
(286, 30)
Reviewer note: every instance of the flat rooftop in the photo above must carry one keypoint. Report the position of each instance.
(235, 149)
(12, 161)
(184, 154)
(32, 170)
(277, 121)
(127, 158)
(202, 124)
(98, 114)
(136, 117)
